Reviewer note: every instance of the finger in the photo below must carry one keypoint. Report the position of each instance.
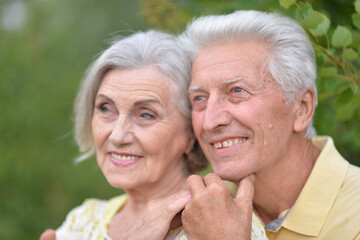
(180, 194)
(49, 234)
(179, 204)
(212, 178)
(245, 194)
(195, 184)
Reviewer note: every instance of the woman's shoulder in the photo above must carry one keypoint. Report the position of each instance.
(93, 207)
(92, 214)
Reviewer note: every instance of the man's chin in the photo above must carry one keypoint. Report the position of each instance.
(230, 174)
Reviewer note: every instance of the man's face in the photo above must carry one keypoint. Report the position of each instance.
(240, 115)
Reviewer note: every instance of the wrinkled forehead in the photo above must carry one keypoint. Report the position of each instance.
(231, 62)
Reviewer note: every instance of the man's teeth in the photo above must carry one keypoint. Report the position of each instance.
(123, 158)
(229, 143)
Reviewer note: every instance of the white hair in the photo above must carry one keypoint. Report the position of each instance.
(291, 55)
(138, 50)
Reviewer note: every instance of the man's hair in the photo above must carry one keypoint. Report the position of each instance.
(291, 57)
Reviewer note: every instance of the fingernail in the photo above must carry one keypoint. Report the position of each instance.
(252, 177)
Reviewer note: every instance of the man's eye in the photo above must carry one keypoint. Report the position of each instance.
(238, 94)
(238, 90)
(199, 98)
(199, 102)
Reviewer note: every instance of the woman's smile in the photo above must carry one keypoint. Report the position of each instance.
(124, 159)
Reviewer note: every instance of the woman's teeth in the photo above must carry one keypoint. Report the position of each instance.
(123, 157)
(229, 143)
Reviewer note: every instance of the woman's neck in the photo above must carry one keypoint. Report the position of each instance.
(169, 184)
(138, 198)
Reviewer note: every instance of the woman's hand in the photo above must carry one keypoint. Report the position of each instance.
(158, 216)
(49, 234)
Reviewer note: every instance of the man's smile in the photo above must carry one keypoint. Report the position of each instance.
(228, 142)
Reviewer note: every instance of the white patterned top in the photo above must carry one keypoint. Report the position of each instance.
(91, 220)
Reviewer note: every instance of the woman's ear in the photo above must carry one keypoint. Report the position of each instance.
(304, 109)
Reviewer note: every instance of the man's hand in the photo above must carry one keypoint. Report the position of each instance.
(213, 213)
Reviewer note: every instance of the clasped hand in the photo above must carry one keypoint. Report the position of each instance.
(209, 212)
(213, 213)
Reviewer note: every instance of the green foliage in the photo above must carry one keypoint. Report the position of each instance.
(341, 37)
(41, 65)
(322, 27)
(337, 47)
(312, 19)
(287, 3)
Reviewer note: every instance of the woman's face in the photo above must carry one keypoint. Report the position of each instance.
(139, 134)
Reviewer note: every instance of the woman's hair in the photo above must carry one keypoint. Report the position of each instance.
(291, 55)
(151, 48)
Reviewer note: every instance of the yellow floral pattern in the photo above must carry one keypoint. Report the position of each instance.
(91, 220)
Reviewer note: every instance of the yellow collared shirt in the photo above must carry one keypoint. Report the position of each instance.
(328, 206)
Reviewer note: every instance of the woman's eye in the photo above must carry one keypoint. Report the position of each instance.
(104, 109)
(147, 116)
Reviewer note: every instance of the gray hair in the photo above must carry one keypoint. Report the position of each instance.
(291, 59)
(138, 50)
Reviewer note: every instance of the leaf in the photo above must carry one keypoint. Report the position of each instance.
(345, 97)
(286, 3)
(345, 112)
(356, 20)
(321, 28)
(341, 37)
(328, 71)
(305, 7)
(349, 54)
(357, 6)
(312, 20)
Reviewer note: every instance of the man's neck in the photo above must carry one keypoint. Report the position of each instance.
(278, 188)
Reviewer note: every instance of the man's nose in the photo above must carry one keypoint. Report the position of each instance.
(216, 114)
(122, 131)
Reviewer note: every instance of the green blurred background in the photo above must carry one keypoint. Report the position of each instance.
(45, 47)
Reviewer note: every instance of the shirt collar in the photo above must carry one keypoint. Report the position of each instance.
(310, 210)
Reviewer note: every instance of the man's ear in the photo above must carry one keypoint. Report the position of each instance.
(304, 109)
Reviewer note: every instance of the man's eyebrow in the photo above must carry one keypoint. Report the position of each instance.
(146, 101)
(195, 88)
(227, 82)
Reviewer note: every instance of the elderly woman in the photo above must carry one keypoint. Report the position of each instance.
(132, 110)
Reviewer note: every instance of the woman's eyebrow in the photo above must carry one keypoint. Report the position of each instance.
(146, 101)
(105, 97)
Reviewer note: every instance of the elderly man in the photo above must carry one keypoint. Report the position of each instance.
(253, 94)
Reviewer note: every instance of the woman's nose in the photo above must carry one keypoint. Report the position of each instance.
(122, 132)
